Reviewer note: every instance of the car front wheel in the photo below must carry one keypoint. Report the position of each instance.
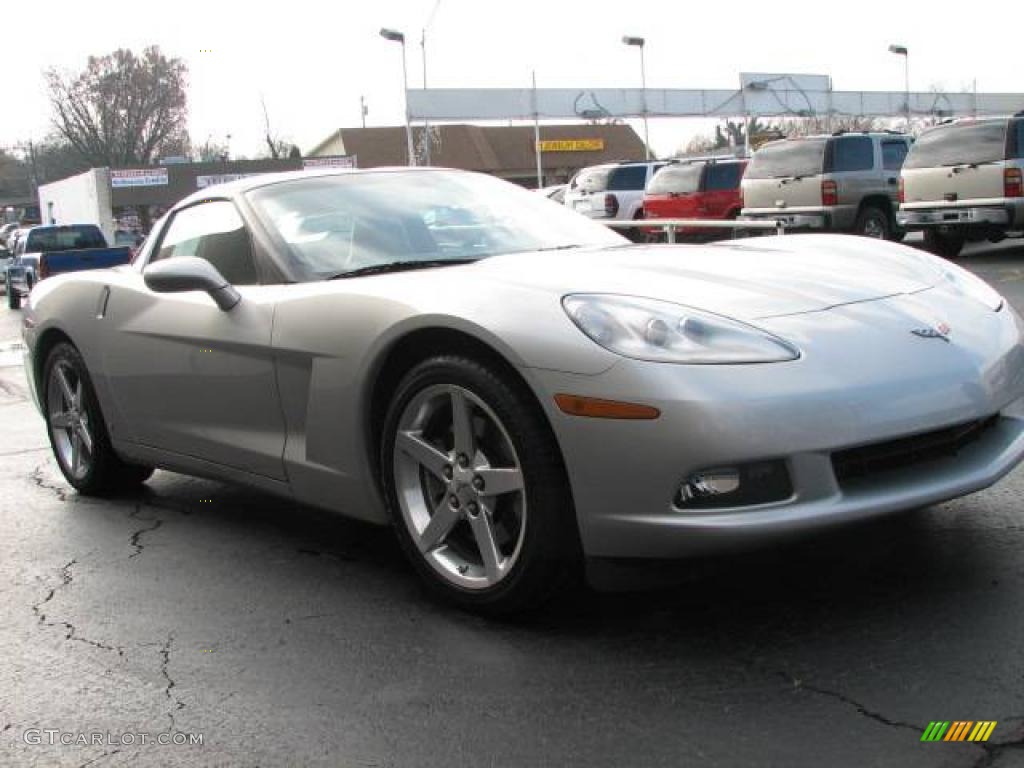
(476, 488)
(77, 431)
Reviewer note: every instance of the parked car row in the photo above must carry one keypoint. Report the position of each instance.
(39, 252)
(960, 181)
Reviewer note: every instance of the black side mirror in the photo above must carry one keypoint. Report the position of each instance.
(188, 273)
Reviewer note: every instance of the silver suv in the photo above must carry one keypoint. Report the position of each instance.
(842, 182)
(963, 181)
(614, 191)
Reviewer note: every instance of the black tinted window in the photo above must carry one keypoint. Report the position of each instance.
(852, 153)
(675, 180)
(65, 239)
(893, 154)
(628, 177)
(799, 157)
(215, 232)
(1018, 138)
(723, 176)
(959, 144)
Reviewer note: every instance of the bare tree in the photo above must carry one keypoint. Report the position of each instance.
(122, 109)
(277, 147)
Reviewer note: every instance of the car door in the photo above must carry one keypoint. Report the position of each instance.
(186, 376)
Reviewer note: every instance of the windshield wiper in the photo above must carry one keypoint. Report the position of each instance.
(399, 266)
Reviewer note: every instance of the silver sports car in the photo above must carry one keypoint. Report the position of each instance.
(515, 388)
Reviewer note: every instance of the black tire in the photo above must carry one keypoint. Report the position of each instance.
(872, 221)
(13, 297)
(945, 244)
(105, 472)
(548, 560)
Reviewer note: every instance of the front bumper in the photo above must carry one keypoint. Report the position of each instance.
(856, 384)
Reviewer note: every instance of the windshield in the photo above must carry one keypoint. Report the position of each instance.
(959, 144)
(676, 180)
(338, 224)
(782, 159)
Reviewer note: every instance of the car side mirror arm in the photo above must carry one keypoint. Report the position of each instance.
(189, 273)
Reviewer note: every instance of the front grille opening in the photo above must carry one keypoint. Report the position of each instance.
(891, 455)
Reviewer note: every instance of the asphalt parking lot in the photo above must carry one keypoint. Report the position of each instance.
(285, 636)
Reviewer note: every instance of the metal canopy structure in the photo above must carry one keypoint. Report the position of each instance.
(784, 97)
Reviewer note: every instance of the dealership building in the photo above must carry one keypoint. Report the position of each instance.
(506, 151)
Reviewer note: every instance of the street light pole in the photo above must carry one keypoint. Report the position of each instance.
(639, 42)
(395, 36)
(901, 50)
(426, 123)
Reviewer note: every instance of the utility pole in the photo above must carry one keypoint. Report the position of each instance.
(362, 109)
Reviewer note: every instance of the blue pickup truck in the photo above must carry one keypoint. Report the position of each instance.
(45, 251)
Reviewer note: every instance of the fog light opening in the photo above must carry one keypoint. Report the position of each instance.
(760, 482)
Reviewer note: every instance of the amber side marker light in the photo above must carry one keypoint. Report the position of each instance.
(595, 408)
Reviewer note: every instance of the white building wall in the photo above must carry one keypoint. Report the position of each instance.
(81, 199)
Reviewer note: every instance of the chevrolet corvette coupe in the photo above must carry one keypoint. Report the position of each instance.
(517, 390)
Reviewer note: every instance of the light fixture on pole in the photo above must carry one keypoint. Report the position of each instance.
(901, 50)
(395, 36)
(639, 42)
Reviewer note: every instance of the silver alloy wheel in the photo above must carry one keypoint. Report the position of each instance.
(69, 419)
(460, 486)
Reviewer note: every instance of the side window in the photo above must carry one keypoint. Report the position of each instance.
(1017, 138)
(723, 177)
(628, 177)
(213, 231)
(893, 154)
(852, 153)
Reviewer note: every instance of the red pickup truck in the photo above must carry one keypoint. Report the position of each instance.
(695, 189)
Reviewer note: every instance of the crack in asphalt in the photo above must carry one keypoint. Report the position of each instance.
(993, 752)
(111, 753)
(136, 537)
(878, 717)
(71, 633)
(178, 704)
(25, 450)
(42, 482)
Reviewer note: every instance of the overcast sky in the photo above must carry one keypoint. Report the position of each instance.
(312, 60)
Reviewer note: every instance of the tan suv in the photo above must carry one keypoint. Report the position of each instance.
(962, 181)
(844, 182)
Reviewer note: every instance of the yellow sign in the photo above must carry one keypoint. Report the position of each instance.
(571, 145)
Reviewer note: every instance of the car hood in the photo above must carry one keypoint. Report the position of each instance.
(746, 279)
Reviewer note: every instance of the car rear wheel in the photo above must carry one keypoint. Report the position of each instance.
(476, 488)
(873, 222)
(78, 434)
(13, 299)
(947, 244)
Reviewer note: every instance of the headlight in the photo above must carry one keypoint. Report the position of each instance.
(647, 329)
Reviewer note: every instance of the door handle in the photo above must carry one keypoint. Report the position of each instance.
(891, 182)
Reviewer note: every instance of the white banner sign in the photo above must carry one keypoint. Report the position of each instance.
(202, 182)
(344, 161)
(772, 96)
(138, 177)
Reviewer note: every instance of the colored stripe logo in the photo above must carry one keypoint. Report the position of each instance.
(958, 730)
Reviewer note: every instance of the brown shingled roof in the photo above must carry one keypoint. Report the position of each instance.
(491, 149)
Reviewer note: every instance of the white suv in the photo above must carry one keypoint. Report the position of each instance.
(614, 191)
